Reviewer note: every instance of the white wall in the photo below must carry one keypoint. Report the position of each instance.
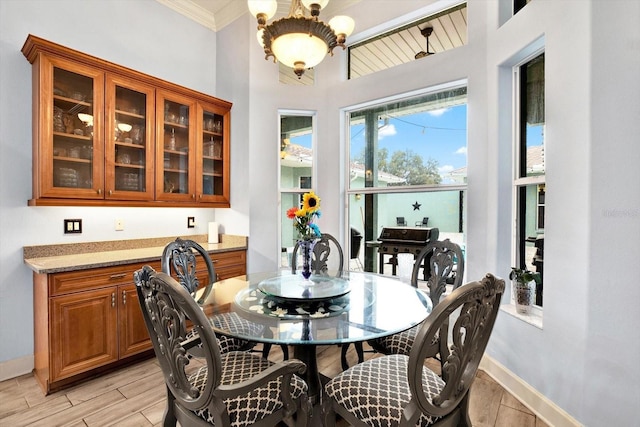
(138, 34)
(585, 359)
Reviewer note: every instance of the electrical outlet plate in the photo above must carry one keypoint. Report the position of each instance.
(119, 224)
(72, 226)
(191, 221)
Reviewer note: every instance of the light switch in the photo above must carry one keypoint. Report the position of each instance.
(191, 222)
(72, 226)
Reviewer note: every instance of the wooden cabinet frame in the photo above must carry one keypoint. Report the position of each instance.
(89, 321)
(101, 190)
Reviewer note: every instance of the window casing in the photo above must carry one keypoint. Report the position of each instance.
(408, 159)
(530, 168)
(297, 171)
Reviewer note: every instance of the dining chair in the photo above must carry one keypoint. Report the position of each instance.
(323, 260)
(400, 390)
(237, 388)
(423, 223)
(444, 262)
(400, 221)
(179, 261)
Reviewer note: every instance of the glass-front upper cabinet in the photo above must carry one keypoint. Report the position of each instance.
(176, 154)
(213, 154)
(129, 154)
(69, 126)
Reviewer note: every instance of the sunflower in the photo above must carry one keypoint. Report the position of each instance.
(310, 202)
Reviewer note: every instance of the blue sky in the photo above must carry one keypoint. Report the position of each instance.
(438, 134)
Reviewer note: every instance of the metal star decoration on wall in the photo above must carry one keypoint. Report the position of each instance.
(416, 206)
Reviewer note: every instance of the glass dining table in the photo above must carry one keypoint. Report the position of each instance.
(285, 309)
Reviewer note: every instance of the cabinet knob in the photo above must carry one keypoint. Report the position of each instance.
(124, 298)
(113, 299)
(110, 192)
(99, 190)
(193, 196)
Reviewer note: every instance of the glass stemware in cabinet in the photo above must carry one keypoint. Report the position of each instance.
(128, 143)
(72, 129)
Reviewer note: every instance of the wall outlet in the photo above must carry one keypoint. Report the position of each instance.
(72, 226)
(191, 221)
(119, 224)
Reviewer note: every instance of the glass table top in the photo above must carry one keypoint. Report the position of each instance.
(359, 306)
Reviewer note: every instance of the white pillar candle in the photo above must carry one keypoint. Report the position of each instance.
(213, 232)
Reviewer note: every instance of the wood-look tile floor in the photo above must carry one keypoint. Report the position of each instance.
(135, 396)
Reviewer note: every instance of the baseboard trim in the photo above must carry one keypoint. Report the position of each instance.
(539, 404)
(16, 367)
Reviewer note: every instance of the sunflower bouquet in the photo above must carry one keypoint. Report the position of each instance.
(304, 217)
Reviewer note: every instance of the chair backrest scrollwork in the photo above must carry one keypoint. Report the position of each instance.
(445, 263)
(472, 310)
(179, 260)
(323, 260)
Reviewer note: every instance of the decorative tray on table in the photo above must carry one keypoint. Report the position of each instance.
(296, 288)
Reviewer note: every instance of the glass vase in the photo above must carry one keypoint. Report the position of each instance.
(523, 295)
(306, 246)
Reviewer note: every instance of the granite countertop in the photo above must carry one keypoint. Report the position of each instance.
(82, 256)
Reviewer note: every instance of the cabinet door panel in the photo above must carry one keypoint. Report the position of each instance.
(69, 99)
(83, 332)
(134, 337)
(175, 147)
(129, 155)
(212, 145)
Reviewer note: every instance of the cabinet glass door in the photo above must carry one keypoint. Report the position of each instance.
(213, 176)
(176, 155)
(74, 154)
(129, 137)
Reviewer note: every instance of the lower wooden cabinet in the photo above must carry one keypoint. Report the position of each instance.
(89, 321)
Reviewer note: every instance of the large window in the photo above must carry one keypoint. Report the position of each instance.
(408, 159)
(529, 183)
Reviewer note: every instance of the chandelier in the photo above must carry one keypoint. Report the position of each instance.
(299, 41)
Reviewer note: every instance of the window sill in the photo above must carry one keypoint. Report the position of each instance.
(534, 317)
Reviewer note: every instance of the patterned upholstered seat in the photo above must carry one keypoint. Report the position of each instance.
(179, 261)
(236, 389)
(399, 390)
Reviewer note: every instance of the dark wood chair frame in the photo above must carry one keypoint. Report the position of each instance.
(444, 262)
(320, 255)
(478, 304)
(167, 307)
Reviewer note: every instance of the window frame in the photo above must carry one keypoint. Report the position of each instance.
(299, 190)
(370, 193)
(521, 181)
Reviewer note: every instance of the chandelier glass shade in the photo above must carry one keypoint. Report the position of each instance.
(299, 41)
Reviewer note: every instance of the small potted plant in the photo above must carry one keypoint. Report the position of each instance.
(524, 282)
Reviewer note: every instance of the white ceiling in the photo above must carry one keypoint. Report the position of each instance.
(216, 14)
(449, 31)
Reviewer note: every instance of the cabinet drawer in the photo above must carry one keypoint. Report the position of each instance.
(82, 280)
(226, 259)
(232, 271)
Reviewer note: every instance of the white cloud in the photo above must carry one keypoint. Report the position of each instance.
(387, 130)
(438, 112)
(445, 169)
(462, 150)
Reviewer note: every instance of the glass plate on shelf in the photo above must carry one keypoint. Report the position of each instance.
(296, 288)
